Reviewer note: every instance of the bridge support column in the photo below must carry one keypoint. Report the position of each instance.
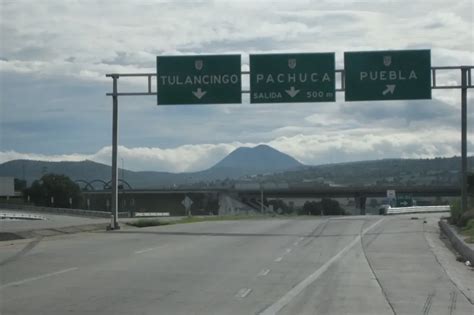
(360, 202)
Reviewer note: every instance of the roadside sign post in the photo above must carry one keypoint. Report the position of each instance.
(187, 203)
(292, 78)
(391, 196)
(199, 79)
(387, 75)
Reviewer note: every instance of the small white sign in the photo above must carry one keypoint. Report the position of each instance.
(391, 194)
(187, 202)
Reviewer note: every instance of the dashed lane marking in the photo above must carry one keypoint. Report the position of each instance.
(145, 250)
(286, 299)
(243, 292)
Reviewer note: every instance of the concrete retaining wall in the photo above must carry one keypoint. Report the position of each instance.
(417, 209)
(68, 211)
(457, 241)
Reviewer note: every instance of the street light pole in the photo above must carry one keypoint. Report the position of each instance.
(114, 204)
(464, 85)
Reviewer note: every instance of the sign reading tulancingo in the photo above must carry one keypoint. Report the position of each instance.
(199, 79)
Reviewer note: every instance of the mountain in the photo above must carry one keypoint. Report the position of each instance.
(260, 159)
(272, 164)
(241, 162)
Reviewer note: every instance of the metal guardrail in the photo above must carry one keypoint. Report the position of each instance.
(152, 214)
(65, 211)
(417, 209)
(21, 216)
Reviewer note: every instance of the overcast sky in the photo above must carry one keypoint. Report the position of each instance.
(54, 56)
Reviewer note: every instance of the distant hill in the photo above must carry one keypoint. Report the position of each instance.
(410, 172)
(260, 159)
(241, 162)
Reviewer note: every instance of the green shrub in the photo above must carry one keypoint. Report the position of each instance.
(468, 231)
(469, 225)
(456, 211)
(147, 222)
(465, 218)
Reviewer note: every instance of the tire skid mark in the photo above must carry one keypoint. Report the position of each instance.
(428, 303)
(22, 252)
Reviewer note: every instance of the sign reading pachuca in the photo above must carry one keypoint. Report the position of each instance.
(387, 75)
(292, 78)
(199, 79)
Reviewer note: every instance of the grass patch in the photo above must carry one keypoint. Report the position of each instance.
(156, 222)
(147, 222)
(469, 231)
(219, 218)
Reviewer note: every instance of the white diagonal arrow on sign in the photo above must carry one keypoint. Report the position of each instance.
(390, 89)
(292, 92)
(199, 93)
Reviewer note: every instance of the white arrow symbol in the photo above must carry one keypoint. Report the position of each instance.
(292, 92)
(199, 93)
(390, 89)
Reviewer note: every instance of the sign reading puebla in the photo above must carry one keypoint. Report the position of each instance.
(199, 79)
(387, 75)
(291, 78)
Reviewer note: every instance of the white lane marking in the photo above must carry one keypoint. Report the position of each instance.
(288, 250)
(243, 292)
(36, 278)
(264, 272)
(279, 259)
(145, 250)
(296, 243)
(285, 299)
(300, 239)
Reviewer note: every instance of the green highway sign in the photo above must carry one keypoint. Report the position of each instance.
(291, 78)
(199, 79)
(387, 75)
(404, 201)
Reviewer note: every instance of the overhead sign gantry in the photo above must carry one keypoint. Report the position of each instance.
(294, 78)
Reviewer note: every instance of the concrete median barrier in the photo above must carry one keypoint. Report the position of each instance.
(464, 249)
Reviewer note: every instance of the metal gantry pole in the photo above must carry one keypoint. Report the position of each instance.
(114, 202)
(464, 85)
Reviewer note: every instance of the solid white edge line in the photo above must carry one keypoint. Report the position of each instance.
(37, 278)
(285, 299)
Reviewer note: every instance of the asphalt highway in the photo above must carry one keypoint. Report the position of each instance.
(338, 265)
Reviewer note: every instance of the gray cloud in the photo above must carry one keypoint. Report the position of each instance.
(55, 56)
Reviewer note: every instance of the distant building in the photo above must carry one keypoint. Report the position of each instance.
(7, 187)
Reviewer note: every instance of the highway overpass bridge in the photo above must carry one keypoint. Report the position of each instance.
(206, 198)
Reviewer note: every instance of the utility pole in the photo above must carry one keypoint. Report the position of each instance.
(464, 85)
